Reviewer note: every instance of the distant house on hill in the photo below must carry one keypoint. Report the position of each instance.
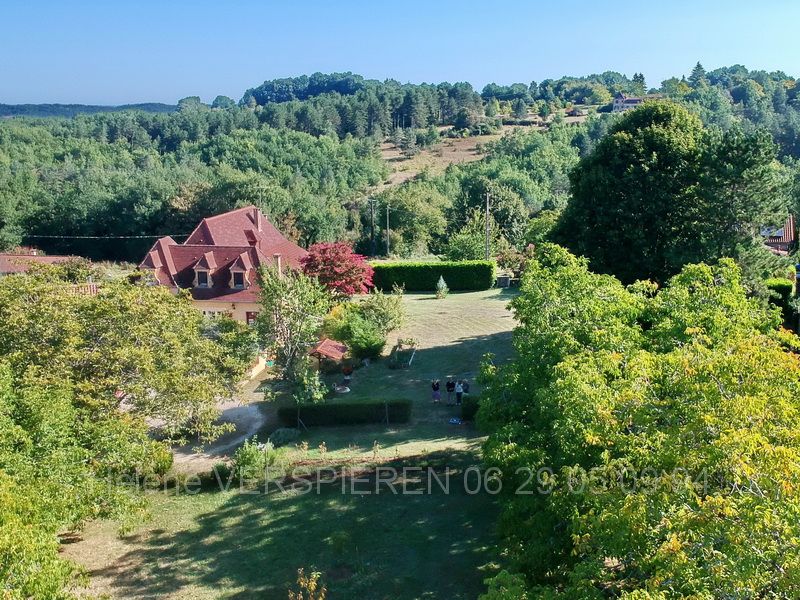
(219, 261)
(780, 240)
(21, 263)
(623, 102)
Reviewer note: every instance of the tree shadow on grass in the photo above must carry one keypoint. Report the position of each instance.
(385, 545)
(459, 359)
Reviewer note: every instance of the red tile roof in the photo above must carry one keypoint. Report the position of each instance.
(20, 263)
(329, 349)
(239, 240)
(780, 240)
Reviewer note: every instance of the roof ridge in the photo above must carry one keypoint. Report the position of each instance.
(212, 246)
(248, 207)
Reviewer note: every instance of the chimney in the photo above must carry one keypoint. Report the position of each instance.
(276, 258)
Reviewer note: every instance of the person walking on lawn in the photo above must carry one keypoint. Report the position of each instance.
(450, 387)
(437, 395)
(459, 392)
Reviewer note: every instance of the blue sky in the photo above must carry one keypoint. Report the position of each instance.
(120, 51)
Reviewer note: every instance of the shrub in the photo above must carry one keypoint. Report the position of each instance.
(283, 436)
(346, 413)
(221, 471)
(338, 268)
(308, 387)
(384, 310)
(364, 325)
(781, 296)
(469, 407)
(422, 276)
(252, 458)
(364, 338)
(441, 288)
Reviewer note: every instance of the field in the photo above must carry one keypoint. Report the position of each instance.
(435, 160)
(231, 544)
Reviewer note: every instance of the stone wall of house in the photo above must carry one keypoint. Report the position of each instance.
(237, 310)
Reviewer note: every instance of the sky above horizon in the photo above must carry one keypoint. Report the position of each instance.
(93, 52)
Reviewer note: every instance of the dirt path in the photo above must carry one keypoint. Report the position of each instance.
(248, 412)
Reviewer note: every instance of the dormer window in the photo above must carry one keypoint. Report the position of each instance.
(238, 279)
(202, 278)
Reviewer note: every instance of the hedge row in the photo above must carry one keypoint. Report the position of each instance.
(460, 276)
(469, 407)
(783, 289)
(346, 413)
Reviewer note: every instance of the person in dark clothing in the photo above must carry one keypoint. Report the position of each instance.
(450, 387)
(437, 395)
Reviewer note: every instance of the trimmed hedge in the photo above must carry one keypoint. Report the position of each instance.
(461, 276)
(346, 413)
(783, 289)
(469, 407)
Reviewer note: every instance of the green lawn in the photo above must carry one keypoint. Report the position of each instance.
(233, 545)
(452, 334)
(433, 545)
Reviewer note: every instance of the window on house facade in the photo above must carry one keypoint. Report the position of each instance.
(202, 279)
(238, 279)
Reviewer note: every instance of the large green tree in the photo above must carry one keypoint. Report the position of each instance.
(660, 191)
(653, 436)
(294, 306)
(83, 379)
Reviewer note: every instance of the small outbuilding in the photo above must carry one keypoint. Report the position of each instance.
(328, 349)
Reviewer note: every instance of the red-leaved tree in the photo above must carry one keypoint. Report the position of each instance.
(338, 268)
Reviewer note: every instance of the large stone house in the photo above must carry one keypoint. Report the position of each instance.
(623, 102)
(220, 259)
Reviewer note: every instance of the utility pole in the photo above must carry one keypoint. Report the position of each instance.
(488, 232)
(372, 226)
(388, 244)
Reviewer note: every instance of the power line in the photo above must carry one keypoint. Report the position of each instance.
(104, 237)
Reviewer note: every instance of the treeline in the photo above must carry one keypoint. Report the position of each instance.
(72, 110)
(755, 99)
(591, 89)
(308, 157)
(346, 104)
(139, 174)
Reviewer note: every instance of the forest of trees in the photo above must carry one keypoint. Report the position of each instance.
(134, 173)
(72, 110)
(305, 150)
